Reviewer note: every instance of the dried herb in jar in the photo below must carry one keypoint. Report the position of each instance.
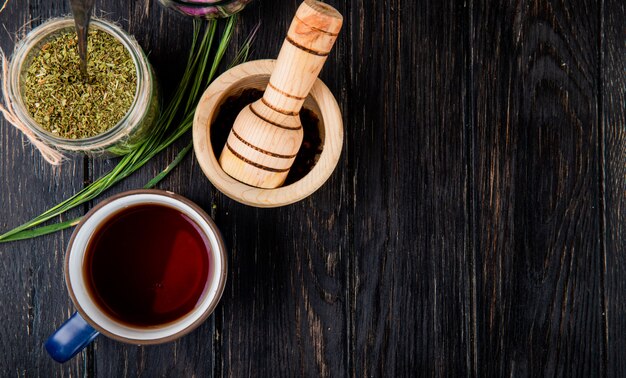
(69, 105)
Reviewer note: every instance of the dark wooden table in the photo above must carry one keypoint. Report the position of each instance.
(473, 227)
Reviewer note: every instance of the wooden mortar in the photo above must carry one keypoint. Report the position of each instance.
(256, 75)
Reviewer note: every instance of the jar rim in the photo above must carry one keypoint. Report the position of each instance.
(34, 39)
(193, 4)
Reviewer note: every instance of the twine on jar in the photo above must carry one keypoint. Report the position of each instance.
(50, 154)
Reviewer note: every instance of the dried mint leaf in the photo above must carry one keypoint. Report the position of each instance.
(64, 103)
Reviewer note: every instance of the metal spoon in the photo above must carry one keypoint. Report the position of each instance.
(81, 9)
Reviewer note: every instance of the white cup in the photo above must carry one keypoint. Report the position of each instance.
(89, 320)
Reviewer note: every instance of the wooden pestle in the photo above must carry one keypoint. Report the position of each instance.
(267, 134)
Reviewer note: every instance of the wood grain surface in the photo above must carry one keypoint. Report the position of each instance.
(538, 283)
(410, 278)
(613, 150)
(473, 227)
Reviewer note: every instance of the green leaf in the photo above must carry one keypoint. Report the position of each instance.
(181, 155)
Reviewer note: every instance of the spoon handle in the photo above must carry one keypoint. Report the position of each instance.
(81, 9)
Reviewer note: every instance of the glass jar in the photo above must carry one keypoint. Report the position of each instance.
(207, 9)
(128, 132)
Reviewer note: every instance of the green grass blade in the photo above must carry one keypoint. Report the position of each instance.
(181, 155)
(196, 85)
(244, 50)
(27, 234)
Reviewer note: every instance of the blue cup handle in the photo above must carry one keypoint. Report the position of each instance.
(74, 335)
